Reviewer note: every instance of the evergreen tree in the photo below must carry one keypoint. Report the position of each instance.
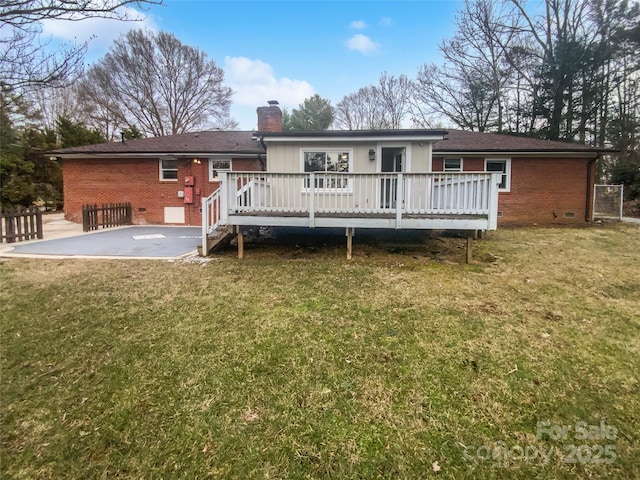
(16, 187)
(315, 113)
(75, 134)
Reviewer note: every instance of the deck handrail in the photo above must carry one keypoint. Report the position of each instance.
(397, 196)
(211, 216)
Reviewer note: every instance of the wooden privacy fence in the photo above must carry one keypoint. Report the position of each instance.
(20, 223)
(108, 215)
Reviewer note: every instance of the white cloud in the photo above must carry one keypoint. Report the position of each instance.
(101, 31)
(254, 83)
(363, 44)
(358, 25)
(385, 21)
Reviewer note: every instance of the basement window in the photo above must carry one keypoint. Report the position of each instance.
(503, 166)
(168, 169)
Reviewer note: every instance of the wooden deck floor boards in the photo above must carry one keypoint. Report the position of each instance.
(358, 215)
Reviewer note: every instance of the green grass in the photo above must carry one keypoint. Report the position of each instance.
(317, 367)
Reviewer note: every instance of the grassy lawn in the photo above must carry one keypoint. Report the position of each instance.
(311, 366)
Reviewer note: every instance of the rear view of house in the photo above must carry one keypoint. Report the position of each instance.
(414, 179)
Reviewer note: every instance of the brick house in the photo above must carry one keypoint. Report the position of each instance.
(545, 182)
(539, 181)
(150, 173)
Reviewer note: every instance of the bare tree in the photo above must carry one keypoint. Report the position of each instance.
(51, 103)
(394, 95)
(376, 107)
(468, 88)
(99, 106)
(226, 124)
(360, 110)
(157, 83)
(25, 61)
(466, 100)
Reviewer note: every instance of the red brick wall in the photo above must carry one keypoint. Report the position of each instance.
(269, 119)
(110, 180)
(543, 190)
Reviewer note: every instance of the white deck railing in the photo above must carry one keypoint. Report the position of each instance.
(353, 194)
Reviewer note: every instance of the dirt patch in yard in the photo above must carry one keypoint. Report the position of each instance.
(425, 246)
(631, 208)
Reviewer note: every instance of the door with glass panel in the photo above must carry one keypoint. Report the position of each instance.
(393, 161)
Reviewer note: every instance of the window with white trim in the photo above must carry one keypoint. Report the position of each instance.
(217, 165)
(500, 165)
(327, 161)
(168, 169)
(452, 164)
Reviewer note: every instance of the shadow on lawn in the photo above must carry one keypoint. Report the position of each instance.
(434, 245)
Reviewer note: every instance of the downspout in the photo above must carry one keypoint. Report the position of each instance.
(263, 167)
(590, 184)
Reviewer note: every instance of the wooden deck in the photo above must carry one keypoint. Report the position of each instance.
(265, 213)
(360, 220)
(419, 201)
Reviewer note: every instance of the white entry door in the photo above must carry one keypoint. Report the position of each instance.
(393, 161)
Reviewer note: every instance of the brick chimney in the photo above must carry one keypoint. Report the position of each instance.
(270, 118)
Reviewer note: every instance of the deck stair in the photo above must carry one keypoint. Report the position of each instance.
(219, 237)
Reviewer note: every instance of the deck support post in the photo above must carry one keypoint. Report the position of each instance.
(312, 195)
(399, 200)
(240, 242)
(205, 229)
(350, 232)
(469, 247)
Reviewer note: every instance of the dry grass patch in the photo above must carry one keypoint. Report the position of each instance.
(309, 366)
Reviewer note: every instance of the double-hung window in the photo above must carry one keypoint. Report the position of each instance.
(328, 165)
(168, 169)
(502, 166)
(217, 165)
(452, 164)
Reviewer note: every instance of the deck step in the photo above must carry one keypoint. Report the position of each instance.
(219, 237)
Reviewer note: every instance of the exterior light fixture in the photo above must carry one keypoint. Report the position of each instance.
(372, 154)
(197, 161)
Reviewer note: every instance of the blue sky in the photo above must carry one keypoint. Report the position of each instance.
(289, 50)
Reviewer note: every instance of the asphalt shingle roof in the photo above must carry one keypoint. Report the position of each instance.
(243, 142)
(463, 141)
(197, 142)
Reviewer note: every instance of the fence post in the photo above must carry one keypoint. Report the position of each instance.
(18, 217)
(39, 232)
(11, 232)
(85, 218)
